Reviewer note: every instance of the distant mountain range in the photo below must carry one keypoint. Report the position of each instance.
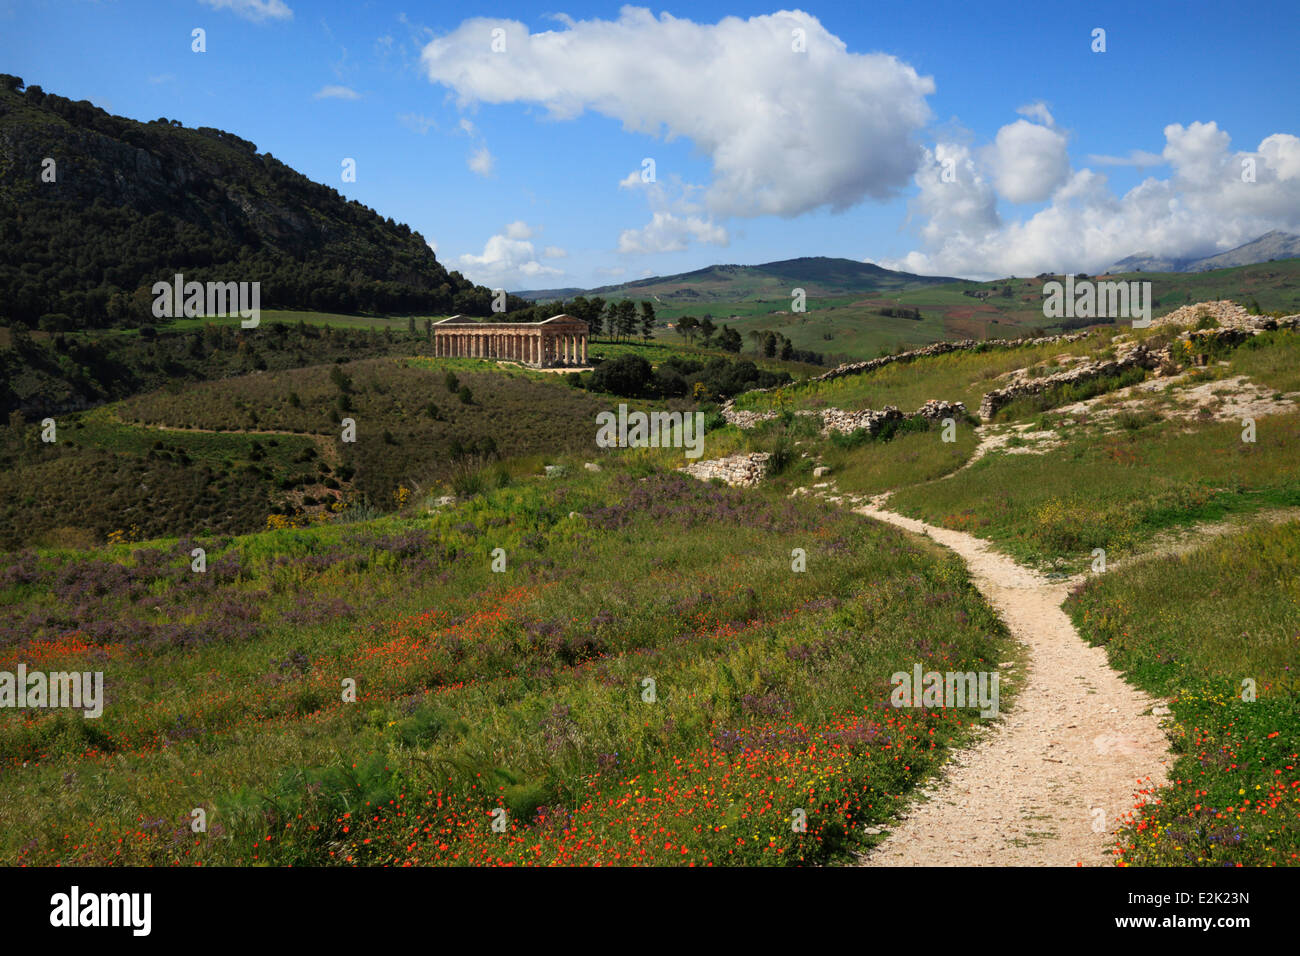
(818, 276)
(826, 277)
(1268, 247)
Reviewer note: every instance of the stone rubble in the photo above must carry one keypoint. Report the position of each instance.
(744, 419)
(937, 410)
(1228, 314)
(736, 470)
(1136, 355)
(839, 420)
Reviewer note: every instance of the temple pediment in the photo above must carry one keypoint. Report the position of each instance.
(566, 322)
(556, 323)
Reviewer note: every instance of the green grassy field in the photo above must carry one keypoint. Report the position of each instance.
(956, 376)
(1271, 359)
(841, 330)
(523, 691)
(1113, 491)
(1112, 488)
(852, 328)
(520, 695)
(907, 459)
(275, 445)
(659, 349)
(1216, 630)
(272, 443)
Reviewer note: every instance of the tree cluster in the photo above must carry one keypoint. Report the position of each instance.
(632, 376)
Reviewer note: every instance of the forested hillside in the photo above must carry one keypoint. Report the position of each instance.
(125, 204)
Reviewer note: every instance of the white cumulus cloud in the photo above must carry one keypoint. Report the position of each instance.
(1038, 111)
(787, 132)
(1029, 161)
(1207, 204)
(669, 233)
(508, 259)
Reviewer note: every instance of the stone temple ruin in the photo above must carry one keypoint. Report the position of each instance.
(560, 340)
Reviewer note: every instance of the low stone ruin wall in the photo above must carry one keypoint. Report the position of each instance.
(937, 348)
(1137, 357)
(737, 470)
(839, 420)
(943, 348)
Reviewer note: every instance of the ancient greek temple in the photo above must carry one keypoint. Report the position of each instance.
(560, 340)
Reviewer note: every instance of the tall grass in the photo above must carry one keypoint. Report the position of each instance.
(873, 466)
(1218, 631)
(521, 690)
(1113, 491)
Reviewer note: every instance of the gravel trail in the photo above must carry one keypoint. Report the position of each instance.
(1046, 785)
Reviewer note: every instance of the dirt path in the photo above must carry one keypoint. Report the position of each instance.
(1079, 740)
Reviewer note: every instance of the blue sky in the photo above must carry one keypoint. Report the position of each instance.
(523, 165)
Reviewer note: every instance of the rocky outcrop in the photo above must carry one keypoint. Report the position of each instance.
(1234, 325)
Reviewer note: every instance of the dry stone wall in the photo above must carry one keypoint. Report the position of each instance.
(937, 348)
(1235, 325)
(1137, 356)
(839, 420)
(736, 470)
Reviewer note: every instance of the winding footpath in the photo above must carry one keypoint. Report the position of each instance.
(1044, 786)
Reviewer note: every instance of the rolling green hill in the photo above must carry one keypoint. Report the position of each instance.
(818, 276)
(844, 318)
(853, 328)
